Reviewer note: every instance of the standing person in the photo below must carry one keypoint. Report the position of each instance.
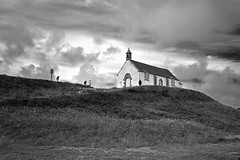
(140, 82)
(57, 78)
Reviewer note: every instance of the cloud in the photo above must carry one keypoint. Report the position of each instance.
(229, 49)
(72, 56)
(112, 51)
(192, 73)
(33, 49)
(14, 40)
(87, 72)
(222, 85)
(25, 50)
(159, 21)
(39, 72)
(90, 72)
(98, 40)
(54, 42)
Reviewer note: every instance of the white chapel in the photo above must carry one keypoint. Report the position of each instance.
(134, 73)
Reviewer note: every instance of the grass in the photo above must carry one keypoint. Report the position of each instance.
(72, 128)
(146, 103)
(20, 88)
(49, 113)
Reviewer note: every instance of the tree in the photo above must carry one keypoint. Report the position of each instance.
(51, 72)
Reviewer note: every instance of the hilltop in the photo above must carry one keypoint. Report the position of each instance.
(19, 87)
(41, 119)
(42, 112)
(145, 102)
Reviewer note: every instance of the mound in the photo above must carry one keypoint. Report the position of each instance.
(146, 115)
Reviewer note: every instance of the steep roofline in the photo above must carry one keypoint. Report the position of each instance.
(135, 66)
(172, 76)
(124, 64)
(121, 68)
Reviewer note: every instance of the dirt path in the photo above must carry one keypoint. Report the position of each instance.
(229, 151)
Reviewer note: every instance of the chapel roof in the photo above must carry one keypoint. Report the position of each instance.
(153, 70)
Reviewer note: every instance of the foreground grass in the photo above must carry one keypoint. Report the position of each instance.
(43, 113)
(142, 103)
(223, 151)
(69, 127)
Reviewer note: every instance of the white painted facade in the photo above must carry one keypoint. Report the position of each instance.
(127, 68)
(129, 76)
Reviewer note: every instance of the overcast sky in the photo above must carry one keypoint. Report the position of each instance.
(198, 40)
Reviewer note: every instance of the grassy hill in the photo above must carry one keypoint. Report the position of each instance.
(18, 87)
(49, 113)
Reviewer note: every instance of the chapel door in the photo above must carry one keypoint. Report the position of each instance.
(128, 82)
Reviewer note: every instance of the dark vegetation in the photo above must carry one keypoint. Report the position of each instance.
(42, 112)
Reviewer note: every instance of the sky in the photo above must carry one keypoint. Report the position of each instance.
(198, 41)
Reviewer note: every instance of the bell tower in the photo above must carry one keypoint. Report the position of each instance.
(129, 55)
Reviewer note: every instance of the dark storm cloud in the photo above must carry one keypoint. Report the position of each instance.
(230, 55)
(15, 39)
(164, 22)
(192, 73)
(19, 43)
(74, 56)
(78, 6)
(73, 14)
(224, 50)
(236, 31)
(236, 80)
(222, 85)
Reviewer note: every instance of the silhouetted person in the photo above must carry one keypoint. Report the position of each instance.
(140, 82)
(57, 78)
(85, 83)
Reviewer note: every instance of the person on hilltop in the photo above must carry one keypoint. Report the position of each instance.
(140, 82)
(57, 78)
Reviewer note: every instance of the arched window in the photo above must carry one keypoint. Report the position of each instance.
(160, 83)
(146, 76)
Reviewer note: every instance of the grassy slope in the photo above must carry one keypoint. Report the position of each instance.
(20, 88)
(49, 113)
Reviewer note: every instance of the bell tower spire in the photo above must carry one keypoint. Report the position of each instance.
(129, 55)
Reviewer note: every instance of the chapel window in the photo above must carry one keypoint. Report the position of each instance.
(160, 82)
(146, 76)
(173, 82)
